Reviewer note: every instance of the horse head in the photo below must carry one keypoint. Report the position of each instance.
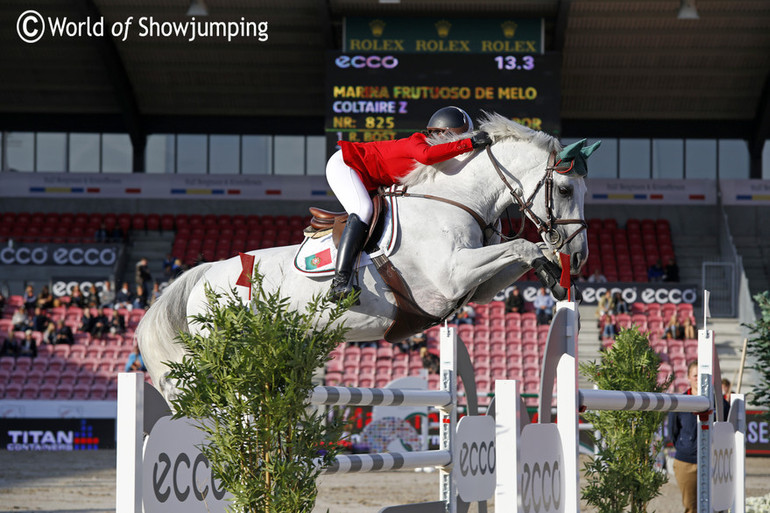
(552, 193)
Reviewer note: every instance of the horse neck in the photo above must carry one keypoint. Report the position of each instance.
(476, 184)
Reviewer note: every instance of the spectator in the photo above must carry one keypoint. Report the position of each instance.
(168, 264)
(671, 272)
(93, 297)
(28, 346)
(135, 362)
(86, 321)
(117, 235)
(9, 347)
(30, 299)
(155, 294)
(139, 300)
(688, 328)
(123, 297)
(543, 304)
(101, 235)
(465, 315)
(100, 324)
(726, 394)
(672, 329)
(609, 329)
(45, 298)
(62, 334)
(597, 277)
(143, 278)
(40, 320)
(117, 323)
(618, 305)
(655, 272)
(20, 320)
(514, 302)
(2, 302)
(604, 304)
(107, 296)
(430, 361)
(177, 268)
(413, 343)
(77, 298)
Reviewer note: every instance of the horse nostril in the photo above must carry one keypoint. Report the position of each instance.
(577, 260)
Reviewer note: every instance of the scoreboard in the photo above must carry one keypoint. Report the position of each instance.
(371, 97)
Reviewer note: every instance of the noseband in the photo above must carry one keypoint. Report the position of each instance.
(547, 226)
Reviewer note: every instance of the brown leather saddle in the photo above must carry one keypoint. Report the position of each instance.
(410, 318)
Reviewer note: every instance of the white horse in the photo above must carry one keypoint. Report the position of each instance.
(441, 249)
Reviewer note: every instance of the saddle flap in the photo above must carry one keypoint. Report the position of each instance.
(374, 232)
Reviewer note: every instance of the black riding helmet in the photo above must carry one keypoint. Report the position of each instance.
(453, 119)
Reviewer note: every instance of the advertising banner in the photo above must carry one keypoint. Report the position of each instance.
(656, 192)
(81, 255)
(56, 434)
(745, 192)
(630, 292)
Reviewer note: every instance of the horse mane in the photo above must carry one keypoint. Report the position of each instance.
(499, 128)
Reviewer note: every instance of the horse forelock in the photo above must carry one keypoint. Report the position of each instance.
(499, 128)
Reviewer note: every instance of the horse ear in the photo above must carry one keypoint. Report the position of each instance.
(571, 151)
(586, 152)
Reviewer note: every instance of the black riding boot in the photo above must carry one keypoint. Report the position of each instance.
(351, 243)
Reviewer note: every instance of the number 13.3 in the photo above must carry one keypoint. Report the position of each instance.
(509, 62)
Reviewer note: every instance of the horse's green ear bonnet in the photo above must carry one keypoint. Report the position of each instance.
(577, 155)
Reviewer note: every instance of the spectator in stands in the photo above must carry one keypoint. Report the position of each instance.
(618, 305)
(28, 346)
(597, 277)
(123, 297)
(20, 320)
(688, 328)
(177, 268)
(139, 300)
(604, 304)
(543, 304)
(9, 347)
(100, 325)
(40, 320)
(143, 279)
(2, 301)
(683, 429)
(77, 298)
(107, 295)
(86, 321)
(45, 298)
(30, 299)
(155, 293)
(168, 263)
(62, 334)
(134, 362)
(117, 324)
(671, 272)
(101, 235)
(655, 271)
(117, 235)
(413, 343)
(514, 302)
(609, 329)
(673, 329)
(430, 361)
(465, 315)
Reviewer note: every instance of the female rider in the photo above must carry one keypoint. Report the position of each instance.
(359, 168)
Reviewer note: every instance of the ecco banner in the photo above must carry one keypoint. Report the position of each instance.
(630, 292)
(90, 255)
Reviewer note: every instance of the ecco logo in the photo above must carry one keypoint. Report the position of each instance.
(541, 487)
(366, 61)
(478, 458)
(721, 464)
(41, 255)
(185, 476)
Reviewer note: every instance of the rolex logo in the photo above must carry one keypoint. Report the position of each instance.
(442, 27)
(377, 26)
(509, 28)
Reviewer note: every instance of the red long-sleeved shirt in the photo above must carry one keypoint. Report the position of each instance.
(382, 163)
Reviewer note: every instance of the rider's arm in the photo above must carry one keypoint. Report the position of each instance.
(424, 153)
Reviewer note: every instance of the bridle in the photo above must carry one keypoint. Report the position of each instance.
(547, 226)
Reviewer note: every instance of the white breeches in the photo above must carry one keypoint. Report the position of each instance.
(348, 188)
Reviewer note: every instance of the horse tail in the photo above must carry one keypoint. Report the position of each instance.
(160, 326)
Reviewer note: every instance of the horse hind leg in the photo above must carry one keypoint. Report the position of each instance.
(161, 325)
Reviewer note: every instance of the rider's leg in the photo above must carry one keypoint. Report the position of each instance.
(350, 191)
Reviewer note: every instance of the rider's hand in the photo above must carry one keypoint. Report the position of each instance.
(481, 139)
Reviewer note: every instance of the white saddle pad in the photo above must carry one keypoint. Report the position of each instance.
(317, 257)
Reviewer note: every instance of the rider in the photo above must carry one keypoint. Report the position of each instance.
(360, 168)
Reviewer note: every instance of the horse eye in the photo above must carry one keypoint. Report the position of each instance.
(565, 191)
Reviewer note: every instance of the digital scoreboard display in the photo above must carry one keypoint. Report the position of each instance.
(371, 97)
